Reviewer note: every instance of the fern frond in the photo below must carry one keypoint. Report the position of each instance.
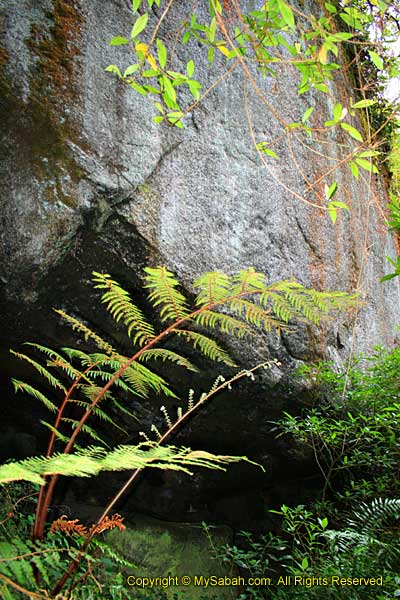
(98, 412)
(279, 305)
(105, 376)
(21, 386)
(91, 390)
(124, 410)
(53, 381)
(121, 307)
(91, 461)
(84, 358)
(86, 429)
(255, 315)
(86, 332)
(247, 280)
(68, 526)
(152, 380)
(164, 293)
(300, 298)
(370, 517)
(111, 553)
(57, 433)
(334, 300)
(19, 570)
(347, 540)
(213, 287)
(16, 561)
(167, 355)
(56, 360)
(136, 381)
(223, 322)
(305, 303)
(207, 346)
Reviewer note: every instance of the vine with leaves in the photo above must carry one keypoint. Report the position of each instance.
(270, 41)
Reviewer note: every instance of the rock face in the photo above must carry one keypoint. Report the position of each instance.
(90, 182)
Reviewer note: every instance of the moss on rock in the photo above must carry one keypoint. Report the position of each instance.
(161, 549)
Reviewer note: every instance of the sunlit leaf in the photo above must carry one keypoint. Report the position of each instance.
(139, 25)
(118, 41)
(352, 131)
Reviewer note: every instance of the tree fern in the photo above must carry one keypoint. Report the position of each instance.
(93, 460)
(164, 294)
(121, 307)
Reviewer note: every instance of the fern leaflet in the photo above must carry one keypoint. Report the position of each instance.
(21, 386)
(207, 346)
(88, 334)
(121, 307)
(164, 293)
(213, 286)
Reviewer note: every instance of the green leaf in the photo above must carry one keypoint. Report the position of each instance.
(324, 523)
(139, 25)
(363, 103)
(368, 153)
(367, 165)
(333, 214)
(175, 118)
(352, 131)
(212, 30)
(337, 111)
(136, 4)
(113, 69)
(338, 204)
(119, 41)
(304, 563)
(263, 147)
(169, 89)
(138, 88)
(330, 190)
(186, 37)
(307, 114)
(329, 7)
(354, 169)
(321, 87)
(162, 53)
(150, 73)
(287, 13)
(131, 70)
(190, 68)
(194, 87)
(376, 59)
(210, 55)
